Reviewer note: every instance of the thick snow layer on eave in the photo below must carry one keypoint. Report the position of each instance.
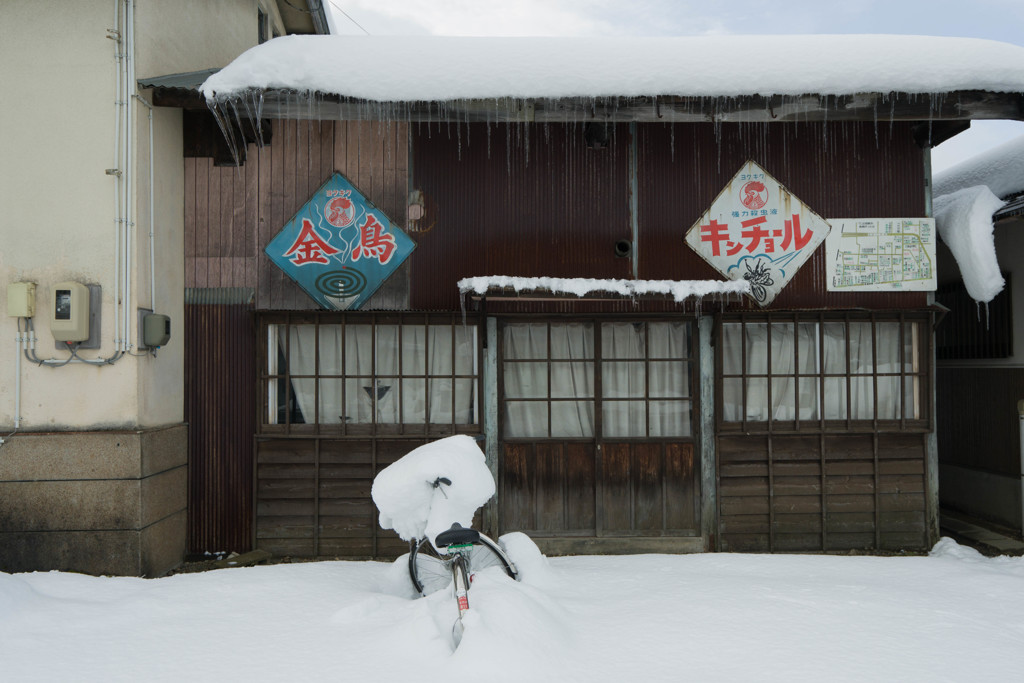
(679, 290)
(964, 221)
(1001, 169)
(430, 68)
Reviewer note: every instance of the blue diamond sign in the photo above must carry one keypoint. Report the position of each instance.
(339, 247)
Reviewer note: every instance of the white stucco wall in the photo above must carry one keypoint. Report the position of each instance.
(57, 221)
(189, 35)
(57, 209)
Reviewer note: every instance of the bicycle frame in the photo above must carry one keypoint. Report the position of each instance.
(458, 549)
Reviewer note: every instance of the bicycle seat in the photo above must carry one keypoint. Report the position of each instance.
(457, 535)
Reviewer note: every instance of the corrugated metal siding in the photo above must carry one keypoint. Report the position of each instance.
(840, 170)
(219, 406)
(521, 199)
(533, 200)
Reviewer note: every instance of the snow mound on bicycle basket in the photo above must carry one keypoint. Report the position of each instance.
(405, 496)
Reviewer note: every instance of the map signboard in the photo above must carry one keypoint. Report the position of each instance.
(757, 230)
(339, 247)
(881, 254)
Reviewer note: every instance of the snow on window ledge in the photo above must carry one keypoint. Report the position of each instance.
(679, 290)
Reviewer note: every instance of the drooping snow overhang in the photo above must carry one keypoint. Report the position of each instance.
(722, 78)
(964, 221)
(969, 200)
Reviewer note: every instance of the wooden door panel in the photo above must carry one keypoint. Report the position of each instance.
(646, 489)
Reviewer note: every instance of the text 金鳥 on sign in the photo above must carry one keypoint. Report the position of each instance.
(339, 247)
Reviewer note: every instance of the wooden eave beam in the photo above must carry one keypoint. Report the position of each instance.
(954, 106)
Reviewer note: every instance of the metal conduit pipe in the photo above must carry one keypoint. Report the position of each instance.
(117, 172)
(126, 306)
(152, 250)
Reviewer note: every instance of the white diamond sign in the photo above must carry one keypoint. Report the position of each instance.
(757, 230)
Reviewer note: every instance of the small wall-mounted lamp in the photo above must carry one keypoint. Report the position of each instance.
(417, 214)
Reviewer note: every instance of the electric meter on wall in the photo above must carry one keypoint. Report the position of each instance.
(69, 312)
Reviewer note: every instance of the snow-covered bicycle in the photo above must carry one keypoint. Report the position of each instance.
(453, 559)
(429, 497)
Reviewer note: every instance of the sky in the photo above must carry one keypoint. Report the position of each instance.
(1000, 20)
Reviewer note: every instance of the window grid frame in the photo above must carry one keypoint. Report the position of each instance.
(276, 371)
(919, 373)
(597, 361)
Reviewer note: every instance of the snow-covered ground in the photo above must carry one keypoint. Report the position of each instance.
(952, 616)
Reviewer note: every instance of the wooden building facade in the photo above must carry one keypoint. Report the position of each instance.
(611, 425)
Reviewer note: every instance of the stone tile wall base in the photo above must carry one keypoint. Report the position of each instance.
(104, 503)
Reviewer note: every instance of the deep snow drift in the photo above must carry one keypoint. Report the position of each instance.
(953, 616)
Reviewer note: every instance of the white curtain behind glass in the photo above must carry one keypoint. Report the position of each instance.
(627, 381)
(388, 380)
(796, 347)
(563, 379)
(566, 384)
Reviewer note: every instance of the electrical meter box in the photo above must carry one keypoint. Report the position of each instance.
(21, 299)
(69, 312)
(156, 330)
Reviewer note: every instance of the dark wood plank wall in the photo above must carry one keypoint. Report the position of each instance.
(822, 492)
(231, 214)
(565, 488)
(313, 497)
(978, 425)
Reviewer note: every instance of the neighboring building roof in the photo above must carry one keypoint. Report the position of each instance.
(1012, 208)
(304, 16)
(1001, 169)
(190, 80)
(430, 68)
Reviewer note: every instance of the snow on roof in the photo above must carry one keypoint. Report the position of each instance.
(679, 290)
(1001, 169)
(430, 68)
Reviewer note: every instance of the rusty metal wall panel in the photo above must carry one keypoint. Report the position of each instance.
(840, 170)
(220, 396)
(532, 200)
(519, 199)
